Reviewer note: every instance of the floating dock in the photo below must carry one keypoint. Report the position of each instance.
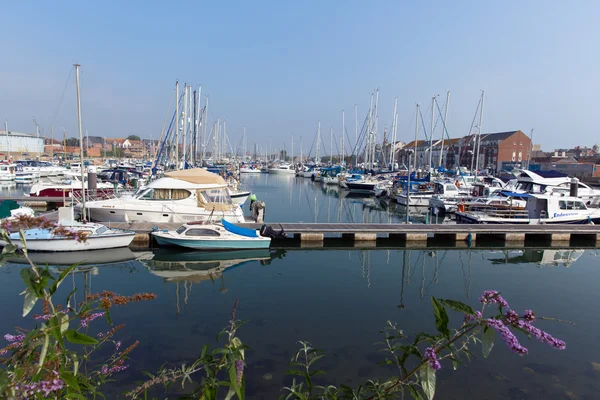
(411, 235)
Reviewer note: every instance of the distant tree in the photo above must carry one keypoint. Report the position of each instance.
(133, 137)
(72, 142)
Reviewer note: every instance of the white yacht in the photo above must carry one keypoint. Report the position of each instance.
(7, 172)
(539, 209)
(181, 196)
(283, 169)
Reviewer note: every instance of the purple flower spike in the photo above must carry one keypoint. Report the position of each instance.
(509, 338)
(432, 358)
(542, 336)
(14, 339)
(529, 316)
(470, 317)
(493, 297)
(85, 321)
(239, 371)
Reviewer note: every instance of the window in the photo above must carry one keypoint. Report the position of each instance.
(180, 230)
(202, 232)
(562, 205)
(164, 194)
(217, 196)
(571, 205)
(520, 155)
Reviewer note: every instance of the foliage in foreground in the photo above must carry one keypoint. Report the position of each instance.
(58, 358)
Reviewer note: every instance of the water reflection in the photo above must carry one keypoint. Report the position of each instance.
(292, 199)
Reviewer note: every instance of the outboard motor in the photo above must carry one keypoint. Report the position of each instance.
(268, 231)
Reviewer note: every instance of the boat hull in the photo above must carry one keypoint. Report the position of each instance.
(211, 244)
(165, 215)
(361, 187)
(68, 244)
(277, 171)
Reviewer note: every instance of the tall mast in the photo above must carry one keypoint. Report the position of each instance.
(195, 133)
(431, 134)
(479, 133)
(318, 143)
(393, 142)
(530, 148)
(83, 210)
(205, 122)
(301, 149)
(292, 148)
(444, 130)
(416, 135)
(331, 145)
(355, 127)
(224, 141)
(374, 141)
(343, 150)
(184, 115)
(370, 133)
(244, 156)
(177, 125)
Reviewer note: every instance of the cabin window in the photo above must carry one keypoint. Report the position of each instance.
(571, 205)
(180, 230)
(217, 196)
(165, 194)
(202, 232)
(101, 230)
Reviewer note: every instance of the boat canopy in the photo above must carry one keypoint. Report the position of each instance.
(197, 176)
(238, 230)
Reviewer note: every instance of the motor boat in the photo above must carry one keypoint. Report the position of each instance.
(539, 209)
(283, 169)
(418, 195)
(7, 172)
(211, 236)
(249, 170)
(446, 196)
(181, 196)
(69, 186)
(361, 186)
(98, 237)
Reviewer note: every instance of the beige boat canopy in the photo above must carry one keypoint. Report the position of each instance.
(197, 176)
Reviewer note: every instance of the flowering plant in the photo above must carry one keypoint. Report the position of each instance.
(417, 358)
(58, 357)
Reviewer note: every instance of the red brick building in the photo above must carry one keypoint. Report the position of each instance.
(497, 151)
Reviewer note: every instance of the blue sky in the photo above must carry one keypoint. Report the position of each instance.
(278, 67)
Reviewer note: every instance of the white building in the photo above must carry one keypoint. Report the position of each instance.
(20, 145)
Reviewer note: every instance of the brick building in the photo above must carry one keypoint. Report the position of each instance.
(497, 151)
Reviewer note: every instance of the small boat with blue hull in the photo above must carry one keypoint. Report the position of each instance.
(208, 236)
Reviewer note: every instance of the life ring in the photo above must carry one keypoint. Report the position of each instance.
(460, 208)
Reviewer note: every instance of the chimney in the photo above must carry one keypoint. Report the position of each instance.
(564, 154)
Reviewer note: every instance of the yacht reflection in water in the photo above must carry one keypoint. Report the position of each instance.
(541, 257)
(191, 267)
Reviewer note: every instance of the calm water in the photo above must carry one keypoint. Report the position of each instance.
(339, 300)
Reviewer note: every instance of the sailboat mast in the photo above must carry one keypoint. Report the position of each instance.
(177, 125)
(374, 141)
(343, 150)
(301, 149)
(184, 115)
(479, 133)
(244, 156)
(355, 128)
(195, 133)
(292, 148)
(431, 134)
(393, 142)
(444, 128)
(83, 210)
(416, 135)
(318, 143)
(370, 135)
(331, 145)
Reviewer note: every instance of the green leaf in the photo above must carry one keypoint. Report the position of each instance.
(487, 341)
(427, 375)
(28, 277)
(441, 317)
(68, 301)
(9, 249)
(64, 323)
(61, 278)
(29, 301)
(70, 380)
(43, 352)
(79, 338)
(458, 306)
(414, 392)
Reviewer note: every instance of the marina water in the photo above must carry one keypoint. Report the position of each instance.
(339, 300)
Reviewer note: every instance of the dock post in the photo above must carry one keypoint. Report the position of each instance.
(310, 237)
